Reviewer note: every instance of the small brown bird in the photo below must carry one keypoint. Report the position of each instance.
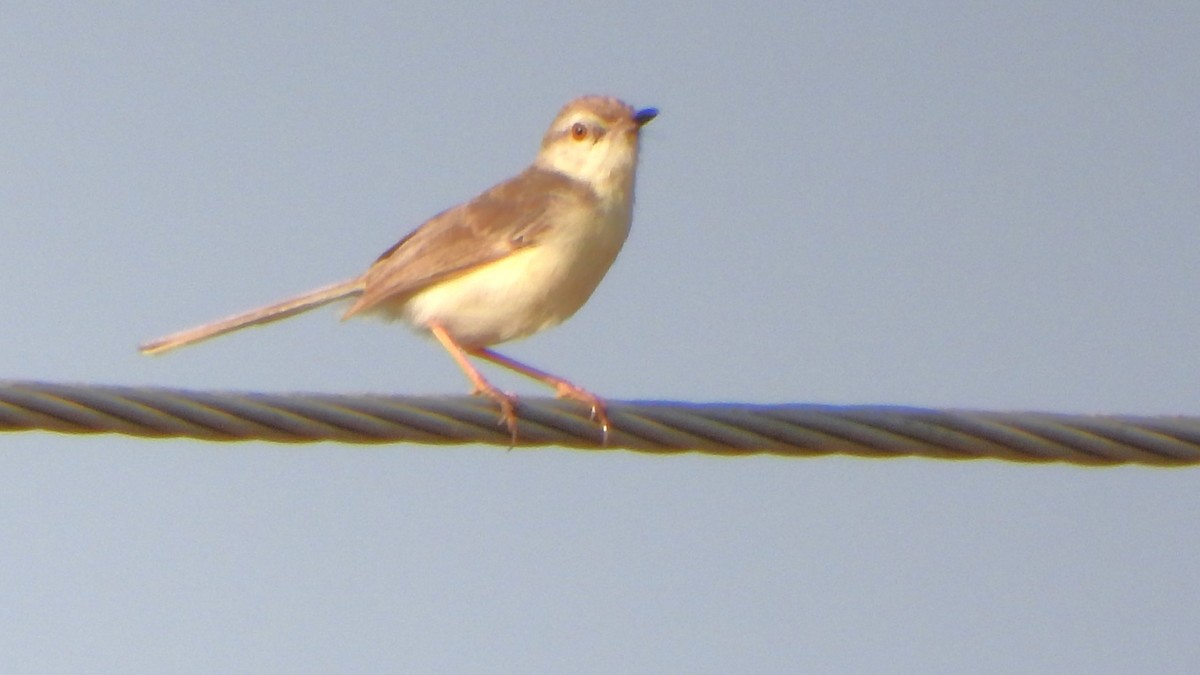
(519, 258)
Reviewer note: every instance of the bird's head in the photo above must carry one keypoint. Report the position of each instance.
(594, 139)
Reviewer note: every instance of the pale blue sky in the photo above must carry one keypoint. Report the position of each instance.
(934, 204)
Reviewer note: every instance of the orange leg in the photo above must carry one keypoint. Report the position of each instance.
(563, 388)
(507, 402)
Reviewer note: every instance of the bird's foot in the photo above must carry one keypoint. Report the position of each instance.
(599, 412)
(507, 403)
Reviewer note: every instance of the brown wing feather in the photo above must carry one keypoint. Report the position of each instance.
(505, 219)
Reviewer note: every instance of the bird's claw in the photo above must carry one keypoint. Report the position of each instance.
(508, 407)
(599, 414)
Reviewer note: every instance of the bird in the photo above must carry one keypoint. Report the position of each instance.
(520, 257)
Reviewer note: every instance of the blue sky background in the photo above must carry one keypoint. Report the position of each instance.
(933, 204)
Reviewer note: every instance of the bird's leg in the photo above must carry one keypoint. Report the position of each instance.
(562, 388)
(507, 402)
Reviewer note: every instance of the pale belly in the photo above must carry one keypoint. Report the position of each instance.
(528, 291)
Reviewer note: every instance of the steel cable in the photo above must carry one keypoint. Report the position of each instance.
(656, 427)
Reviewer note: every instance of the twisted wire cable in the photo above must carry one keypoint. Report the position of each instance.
(655, 427)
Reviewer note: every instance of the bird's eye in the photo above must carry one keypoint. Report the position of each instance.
(579, 131)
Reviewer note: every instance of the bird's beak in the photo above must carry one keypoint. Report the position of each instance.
(644, 115)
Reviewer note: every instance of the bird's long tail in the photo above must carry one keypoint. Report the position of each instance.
(280, 310)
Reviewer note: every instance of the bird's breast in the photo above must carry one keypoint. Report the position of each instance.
(529, 290)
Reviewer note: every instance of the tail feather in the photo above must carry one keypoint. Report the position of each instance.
(280, 310)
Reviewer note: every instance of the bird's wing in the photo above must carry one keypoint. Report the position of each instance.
(511, 216)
